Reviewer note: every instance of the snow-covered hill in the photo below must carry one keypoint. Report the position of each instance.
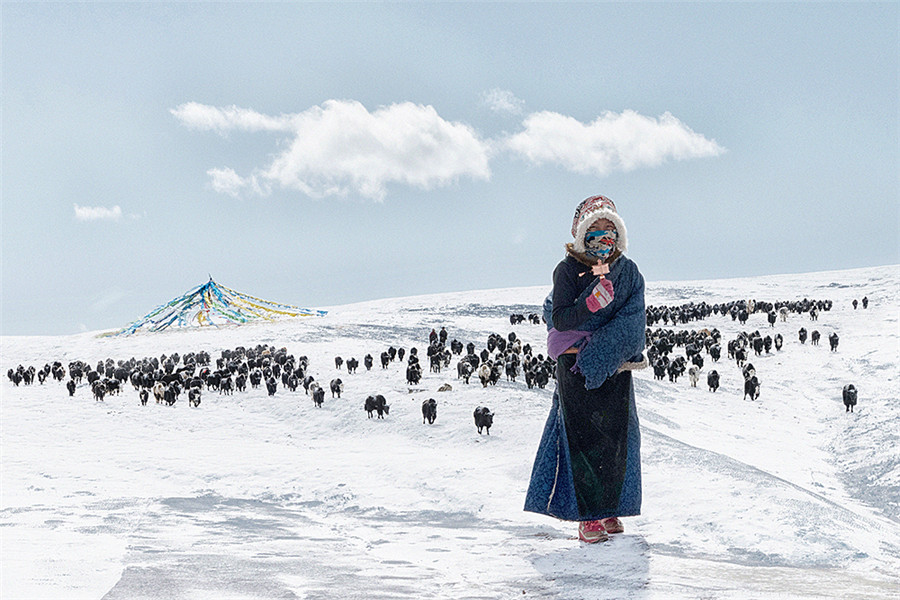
(251, 496)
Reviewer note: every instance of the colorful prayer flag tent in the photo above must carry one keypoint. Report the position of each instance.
(212, 304)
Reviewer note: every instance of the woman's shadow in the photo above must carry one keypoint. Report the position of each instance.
(617, 568)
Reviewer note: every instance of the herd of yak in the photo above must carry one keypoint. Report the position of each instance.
(167, 377)
(662, 342)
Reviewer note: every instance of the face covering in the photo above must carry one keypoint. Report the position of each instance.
(600, 244)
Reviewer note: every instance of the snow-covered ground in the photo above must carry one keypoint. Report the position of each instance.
(251, 496)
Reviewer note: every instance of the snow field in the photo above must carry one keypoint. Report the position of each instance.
(256, 497)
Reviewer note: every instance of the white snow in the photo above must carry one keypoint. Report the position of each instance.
(249, 496)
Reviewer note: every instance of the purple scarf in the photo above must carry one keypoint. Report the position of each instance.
(560, 341)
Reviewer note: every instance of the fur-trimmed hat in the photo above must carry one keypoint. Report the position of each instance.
(593, 209)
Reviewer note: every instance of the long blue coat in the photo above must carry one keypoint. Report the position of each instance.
(617, 337)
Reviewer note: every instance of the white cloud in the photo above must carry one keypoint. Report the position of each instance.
(97, 213)
(227, 181)
(611, 142)
(341, 148)
(502, 101)
(221, 120)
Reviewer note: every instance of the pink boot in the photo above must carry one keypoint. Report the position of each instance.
(592, 532)
(612, 525)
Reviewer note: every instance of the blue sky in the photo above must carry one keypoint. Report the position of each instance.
(321, 154)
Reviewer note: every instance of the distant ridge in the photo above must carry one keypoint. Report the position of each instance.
(212, 305)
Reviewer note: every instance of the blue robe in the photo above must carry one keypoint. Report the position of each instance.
(589, 492)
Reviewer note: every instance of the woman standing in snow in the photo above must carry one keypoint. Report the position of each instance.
(588, 465)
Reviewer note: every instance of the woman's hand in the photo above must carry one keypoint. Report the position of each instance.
(600, 269)
(601, 295)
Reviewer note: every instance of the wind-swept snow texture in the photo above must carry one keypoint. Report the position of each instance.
(251, 496)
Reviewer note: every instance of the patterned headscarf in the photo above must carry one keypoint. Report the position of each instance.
(591, 210)
(600, 244)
